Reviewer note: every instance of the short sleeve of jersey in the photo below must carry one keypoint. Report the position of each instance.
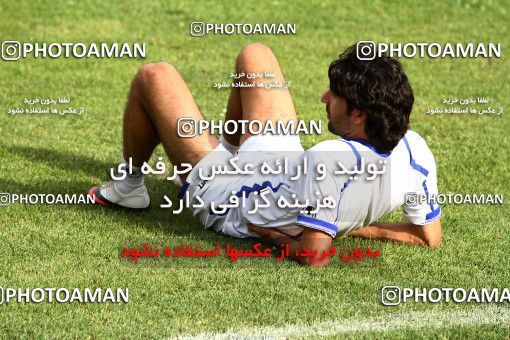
(310, 188)
(419, 204)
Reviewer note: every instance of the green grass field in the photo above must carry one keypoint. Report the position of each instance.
(79, 246)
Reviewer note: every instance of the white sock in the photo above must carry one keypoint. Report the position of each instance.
(230, 147)
(132, 181)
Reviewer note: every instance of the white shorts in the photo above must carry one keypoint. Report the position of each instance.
(254, 150)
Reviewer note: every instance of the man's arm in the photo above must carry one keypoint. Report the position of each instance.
(314, 240)
(428, 235)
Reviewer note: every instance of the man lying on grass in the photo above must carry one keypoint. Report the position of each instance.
(368, 105)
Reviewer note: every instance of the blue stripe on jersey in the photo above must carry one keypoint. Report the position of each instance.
(346, 184)
(314, 223)
(368, 145)
(248, 190)
(257, 188)
(424, 184)
(433, 212)
(183, 190)
(356, 153)
(414, 165)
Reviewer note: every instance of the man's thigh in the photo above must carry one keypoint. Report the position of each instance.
(167, 99)
(261, 103)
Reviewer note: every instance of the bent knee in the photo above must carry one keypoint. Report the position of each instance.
(254, 52)
(152, 73)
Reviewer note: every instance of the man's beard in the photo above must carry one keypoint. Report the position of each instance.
(332, 128)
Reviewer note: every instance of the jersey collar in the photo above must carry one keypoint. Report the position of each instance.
(368, 145)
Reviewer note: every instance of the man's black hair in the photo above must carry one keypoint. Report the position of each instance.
(380, 88)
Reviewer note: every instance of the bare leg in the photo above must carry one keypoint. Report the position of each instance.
(258, 103)
(159, 97)
(234, 112)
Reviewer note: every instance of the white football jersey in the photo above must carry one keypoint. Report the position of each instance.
(366, 186)
(347, 185)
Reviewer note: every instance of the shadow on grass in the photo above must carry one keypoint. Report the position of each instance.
(156, 219)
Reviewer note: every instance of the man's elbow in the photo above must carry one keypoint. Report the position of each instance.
(431, 234)
(433, 242)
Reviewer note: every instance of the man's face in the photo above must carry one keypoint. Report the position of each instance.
(339, 123)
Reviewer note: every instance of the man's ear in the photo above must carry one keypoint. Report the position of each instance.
(358, 117)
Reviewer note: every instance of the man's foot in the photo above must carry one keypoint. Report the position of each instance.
(109, 195)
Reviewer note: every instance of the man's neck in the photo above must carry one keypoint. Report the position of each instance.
(356, 135)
